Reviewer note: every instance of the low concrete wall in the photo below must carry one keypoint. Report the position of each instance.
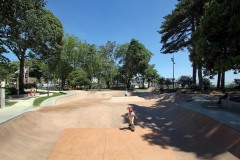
(230, 105)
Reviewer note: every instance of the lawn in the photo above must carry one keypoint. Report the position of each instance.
(8, 104)
(38, 101)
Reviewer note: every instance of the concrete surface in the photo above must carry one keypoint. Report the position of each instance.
(88, 125)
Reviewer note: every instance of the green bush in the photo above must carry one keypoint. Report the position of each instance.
(11, 91)
(29, 85)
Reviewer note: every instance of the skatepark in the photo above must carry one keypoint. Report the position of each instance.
(94, 125)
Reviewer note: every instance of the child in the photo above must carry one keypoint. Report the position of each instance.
(131, 116)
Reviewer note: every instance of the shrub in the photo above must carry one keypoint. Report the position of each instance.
(11, 91)
(29, 85)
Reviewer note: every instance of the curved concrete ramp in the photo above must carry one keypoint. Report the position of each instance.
(88, 125)
(107, 144)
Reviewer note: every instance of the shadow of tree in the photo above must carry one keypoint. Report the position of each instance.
(182, 129)
(147, 95)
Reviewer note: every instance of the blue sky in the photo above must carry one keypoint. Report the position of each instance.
(99, 21)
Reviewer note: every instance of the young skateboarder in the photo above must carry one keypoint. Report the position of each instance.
(131, 116)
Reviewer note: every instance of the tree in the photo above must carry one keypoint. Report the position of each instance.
(63, 71)
(36, 68)
(168, 82)
(136, 60)
(92, 64)
(27, 29)
(177, 30)
(149, 74)
(78, 78)
(185, 81)
(108, 57)
(4, 71)
(121, 52)
(72, 50)
(219, 46)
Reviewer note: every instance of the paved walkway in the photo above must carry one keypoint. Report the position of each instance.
(15, 110)
(223, 116)
(25, 105)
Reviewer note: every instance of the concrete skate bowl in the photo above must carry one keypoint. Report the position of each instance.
(231, 104)
(77, 96)
(90, 128)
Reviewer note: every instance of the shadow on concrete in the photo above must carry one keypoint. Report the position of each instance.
(147, 95)
(186, 130)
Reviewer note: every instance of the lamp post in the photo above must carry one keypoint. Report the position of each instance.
(172, 59)
(47, 75)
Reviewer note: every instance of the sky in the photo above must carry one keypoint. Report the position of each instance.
(99, 21)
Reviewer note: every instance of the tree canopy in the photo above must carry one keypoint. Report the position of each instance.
(136, 60)
(27, 30)
(209, 30)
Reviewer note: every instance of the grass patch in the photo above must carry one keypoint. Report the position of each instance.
(38, 101)
(8, 104)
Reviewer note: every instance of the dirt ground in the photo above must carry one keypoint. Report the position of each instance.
(93, 125)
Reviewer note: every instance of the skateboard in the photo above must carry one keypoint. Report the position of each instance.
(132, 127)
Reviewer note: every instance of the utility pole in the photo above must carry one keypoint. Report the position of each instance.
(47, 74)
(172, 59)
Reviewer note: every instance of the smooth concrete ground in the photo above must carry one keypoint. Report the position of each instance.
(93, 125)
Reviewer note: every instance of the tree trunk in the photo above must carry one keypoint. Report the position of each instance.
(194, 73)
(108, 84)
(149, 84)
(63, 83)
(200, 78)
(223, 80)
(194, 65)
(117, 83)
(143, 83)
(219, 79)
(21, 76)
(128, 84)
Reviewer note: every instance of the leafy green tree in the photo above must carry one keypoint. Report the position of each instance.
(136, 60)
(207, 83)
(108, 59)
(71, 50)
(78, 78)
(121, 52)
(149, 74)
(92, 64)
(4, 67)
(177, 30)
(185, 81)
(237, 82)
(168, 82)
(27, 29)
(161, 81)
(119, 78)
(219, 46)
(63, 71)
(36, 68)
(4, 72)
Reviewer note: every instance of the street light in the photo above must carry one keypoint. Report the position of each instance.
(172, 59)
(47, 75)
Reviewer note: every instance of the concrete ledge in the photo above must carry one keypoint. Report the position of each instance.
(230, 105)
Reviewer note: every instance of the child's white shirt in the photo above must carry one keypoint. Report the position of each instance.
(131, 115)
